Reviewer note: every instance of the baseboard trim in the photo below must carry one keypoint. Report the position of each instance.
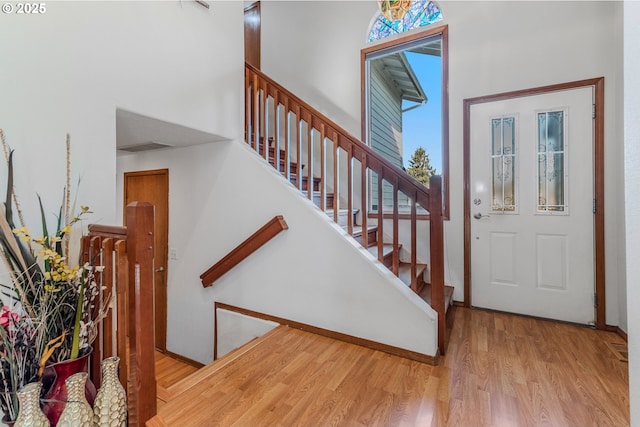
(458, 303)
(617, 330)
(408, 354)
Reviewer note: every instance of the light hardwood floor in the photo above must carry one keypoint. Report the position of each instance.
(168, 372)
(500, 370)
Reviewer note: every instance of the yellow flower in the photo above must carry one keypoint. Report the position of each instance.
(66, 229)
(84, 209)
(21, 230)
(51, 288)
(47, 275)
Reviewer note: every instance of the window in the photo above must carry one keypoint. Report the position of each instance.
(420, 13)
(405, 108)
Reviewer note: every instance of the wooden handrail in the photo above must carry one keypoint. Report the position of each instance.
(268, 102)
(317, 120)
(115, 231)
(244, 249)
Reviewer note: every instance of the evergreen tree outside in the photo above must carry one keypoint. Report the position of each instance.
(420, 166)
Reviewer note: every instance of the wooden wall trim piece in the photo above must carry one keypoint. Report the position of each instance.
(244, 249)
(408, 354)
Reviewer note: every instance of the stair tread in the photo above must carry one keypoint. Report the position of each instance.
(357, 229)
(425, 294)
(404, 271)
(387, 249)
(341, 211)
(316, 193)
(306, 177)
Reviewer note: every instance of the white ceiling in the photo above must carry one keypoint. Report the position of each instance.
(137, 131)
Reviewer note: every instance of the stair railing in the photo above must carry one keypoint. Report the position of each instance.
(334, 159)
(126, 254)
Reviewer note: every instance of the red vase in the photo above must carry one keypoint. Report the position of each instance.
(53, 380)
(7, 421)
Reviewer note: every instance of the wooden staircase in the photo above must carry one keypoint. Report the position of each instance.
(286, 131)
(341, 170)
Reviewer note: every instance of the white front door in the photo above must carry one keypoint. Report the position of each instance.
(532, 241)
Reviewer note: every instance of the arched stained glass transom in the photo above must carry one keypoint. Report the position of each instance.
(421, 13)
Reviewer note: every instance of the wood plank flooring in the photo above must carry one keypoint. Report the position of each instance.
(168, 372)
(500, 370)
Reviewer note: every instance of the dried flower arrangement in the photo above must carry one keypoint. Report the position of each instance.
(51, 306)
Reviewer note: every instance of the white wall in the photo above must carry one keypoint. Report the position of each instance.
(632, 191)
(220, 194)
(493, 47)
(70, 68)
(238, 330)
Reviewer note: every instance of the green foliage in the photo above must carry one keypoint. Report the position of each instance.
(420, 166)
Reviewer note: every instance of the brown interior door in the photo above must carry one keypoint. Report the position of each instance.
(252, 34)
(153, 186)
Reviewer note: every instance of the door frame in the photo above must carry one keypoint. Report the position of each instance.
(598, 177)
(162, 295)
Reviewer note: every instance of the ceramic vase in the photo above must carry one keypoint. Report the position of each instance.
(110, 407)
(54, 382)
(77, 411)
(30, 414)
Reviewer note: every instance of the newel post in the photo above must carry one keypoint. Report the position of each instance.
(140, 251)
(436, 245)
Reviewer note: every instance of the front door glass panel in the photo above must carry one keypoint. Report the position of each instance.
(551, 162)
(503, 159)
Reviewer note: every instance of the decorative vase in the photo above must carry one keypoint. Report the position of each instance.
(30, 414)
(7, 421)
(54, 381)
(110, 407)
(77, 411)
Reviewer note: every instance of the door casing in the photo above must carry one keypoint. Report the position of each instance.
(598, 187)
(160, 200)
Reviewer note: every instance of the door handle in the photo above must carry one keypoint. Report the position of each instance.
(478, 215)
(160, 270)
